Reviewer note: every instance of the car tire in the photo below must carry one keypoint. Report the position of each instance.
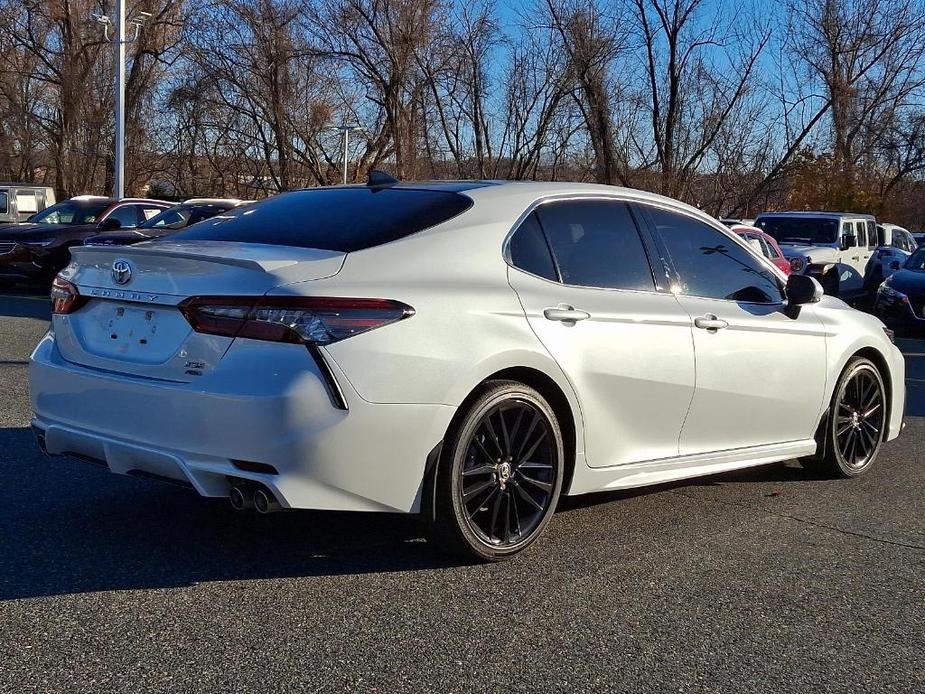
(852, 433)
(500, 473)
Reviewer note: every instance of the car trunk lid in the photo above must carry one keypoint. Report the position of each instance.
(131, 322)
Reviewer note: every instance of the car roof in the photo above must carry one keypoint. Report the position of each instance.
(233, 202)
(821, 215)
(87, 199)
(20, 184)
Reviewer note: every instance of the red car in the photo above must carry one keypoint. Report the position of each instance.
(764, 244)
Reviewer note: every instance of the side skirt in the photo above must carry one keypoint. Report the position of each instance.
(684, 467)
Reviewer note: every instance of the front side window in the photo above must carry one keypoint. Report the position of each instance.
(4, 202)
(916, 260)
(173, 218)
(529, 250)
(596, 244)
(712, 265)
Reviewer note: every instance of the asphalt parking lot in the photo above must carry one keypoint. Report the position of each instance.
(767, 580)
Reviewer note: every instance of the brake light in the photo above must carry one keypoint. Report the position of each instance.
(305, 320)
(65, 297)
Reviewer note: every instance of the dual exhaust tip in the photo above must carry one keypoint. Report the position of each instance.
(245, 497)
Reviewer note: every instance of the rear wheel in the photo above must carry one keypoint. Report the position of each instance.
(853, 431)
(500, 474)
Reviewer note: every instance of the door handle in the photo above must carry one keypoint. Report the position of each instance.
(855, 257)
(710, 322)
(565, 314)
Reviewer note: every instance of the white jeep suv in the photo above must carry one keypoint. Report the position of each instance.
(833, 247)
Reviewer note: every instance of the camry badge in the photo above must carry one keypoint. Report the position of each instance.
(121, 271)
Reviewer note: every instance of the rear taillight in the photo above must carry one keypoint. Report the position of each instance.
(305, 320)
(65, 298)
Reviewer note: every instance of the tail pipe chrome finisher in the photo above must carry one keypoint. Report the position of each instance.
(265, 502)
(241, 497)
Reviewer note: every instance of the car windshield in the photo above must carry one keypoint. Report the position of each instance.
(69, 212)
(804, 230)
(916, 260)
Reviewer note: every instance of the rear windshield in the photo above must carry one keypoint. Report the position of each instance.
(334, 219)
(800, 230)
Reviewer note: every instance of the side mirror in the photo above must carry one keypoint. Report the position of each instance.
(895, 265)
(848, 241)
(110, 224)
(803, 289)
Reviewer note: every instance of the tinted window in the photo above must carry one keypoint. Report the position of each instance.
(596, 244)
(529, 250)
(712, 265)
(126, 214)
(4, 202)
(808, 230)
(334, 219)
(881, 236)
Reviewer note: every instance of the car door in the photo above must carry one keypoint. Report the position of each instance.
(581, 271)
(852, 264)
(761, 369)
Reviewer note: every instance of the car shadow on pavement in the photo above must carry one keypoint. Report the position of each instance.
(25, 305)
(788, 471)
(69, 527)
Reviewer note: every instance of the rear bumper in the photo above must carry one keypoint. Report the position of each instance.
(264, 403)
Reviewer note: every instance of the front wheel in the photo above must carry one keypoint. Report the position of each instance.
(855, 426)
(500, 474)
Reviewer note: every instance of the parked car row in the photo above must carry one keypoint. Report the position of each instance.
(37, 249)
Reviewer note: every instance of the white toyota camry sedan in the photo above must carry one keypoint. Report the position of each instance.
(470, 351)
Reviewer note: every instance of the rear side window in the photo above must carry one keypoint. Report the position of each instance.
(4, 202)
(333, 219)
(529, 250)
(860, 229)
(127, 216)
(596, 244)
(710, 264)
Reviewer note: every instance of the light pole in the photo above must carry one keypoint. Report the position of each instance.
(120, 40)
(346, 130)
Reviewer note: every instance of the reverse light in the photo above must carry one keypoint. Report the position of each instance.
(65, 297)
(305, 320)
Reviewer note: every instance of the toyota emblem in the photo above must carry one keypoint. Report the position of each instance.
(121, 271)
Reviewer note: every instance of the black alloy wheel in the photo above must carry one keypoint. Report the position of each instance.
(500, 479)
(856, 423)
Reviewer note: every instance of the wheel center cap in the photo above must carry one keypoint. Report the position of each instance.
(856, 420)
(504, 472)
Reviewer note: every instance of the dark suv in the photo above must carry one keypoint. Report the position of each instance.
(39, 249)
